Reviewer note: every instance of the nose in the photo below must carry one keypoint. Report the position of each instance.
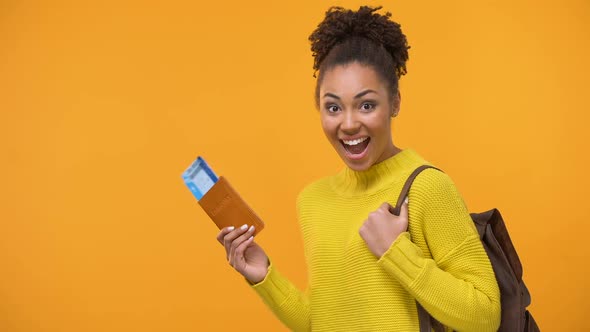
(350, 124)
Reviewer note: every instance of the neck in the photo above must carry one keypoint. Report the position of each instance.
(350, 182)
(391, 151)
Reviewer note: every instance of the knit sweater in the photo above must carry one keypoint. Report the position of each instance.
(439, 262)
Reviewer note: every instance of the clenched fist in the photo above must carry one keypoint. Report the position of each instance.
(383, 227)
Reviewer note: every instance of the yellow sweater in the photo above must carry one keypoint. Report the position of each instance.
(440, 262)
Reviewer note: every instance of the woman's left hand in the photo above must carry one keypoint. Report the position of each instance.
(383, 227)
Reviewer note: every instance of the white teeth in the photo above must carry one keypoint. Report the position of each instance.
(355, 141)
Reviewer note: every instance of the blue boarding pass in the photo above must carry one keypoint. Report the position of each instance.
(199, 178)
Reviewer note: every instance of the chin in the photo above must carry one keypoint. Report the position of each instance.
(357, 166)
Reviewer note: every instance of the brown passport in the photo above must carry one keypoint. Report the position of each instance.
(226, 207)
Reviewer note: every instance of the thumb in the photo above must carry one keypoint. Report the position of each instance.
(386, 207)
(404, 210)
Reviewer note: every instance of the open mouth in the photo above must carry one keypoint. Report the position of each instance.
(356, 147)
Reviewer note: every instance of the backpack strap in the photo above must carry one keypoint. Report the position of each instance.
(427, 322)
(406, 187)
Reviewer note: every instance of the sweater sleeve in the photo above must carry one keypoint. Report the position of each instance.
(287, 302)
(457, 286)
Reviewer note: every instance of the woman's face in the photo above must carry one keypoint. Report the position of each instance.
(356, 115)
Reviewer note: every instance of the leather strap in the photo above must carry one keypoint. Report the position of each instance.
(427, 322)
(423, 318)
(406, 188)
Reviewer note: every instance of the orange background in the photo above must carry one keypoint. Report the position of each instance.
(104, 104)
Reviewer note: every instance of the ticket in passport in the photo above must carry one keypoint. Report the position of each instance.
(199, 178)
(218, 198)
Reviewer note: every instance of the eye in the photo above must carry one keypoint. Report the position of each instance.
(332, 108)
(367, 106)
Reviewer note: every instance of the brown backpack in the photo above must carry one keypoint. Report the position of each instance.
(515, 297)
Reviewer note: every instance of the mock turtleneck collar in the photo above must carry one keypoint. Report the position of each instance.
(349, 182)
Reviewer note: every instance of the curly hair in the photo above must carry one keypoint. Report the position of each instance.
(372, 39)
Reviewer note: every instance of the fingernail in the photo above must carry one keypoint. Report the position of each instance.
(230, 228)
(244, 226)
(251, 237)
(251, 228)
(407, 200)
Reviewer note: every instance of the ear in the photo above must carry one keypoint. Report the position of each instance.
(396, 104)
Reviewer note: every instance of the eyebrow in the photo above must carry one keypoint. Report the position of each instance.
(360, 94)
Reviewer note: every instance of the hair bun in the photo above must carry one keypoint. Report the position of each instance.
(341, 24)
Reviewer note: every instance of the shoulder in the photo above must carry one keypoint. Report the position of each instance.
(432, 181)
(314, 189)
(433, 189)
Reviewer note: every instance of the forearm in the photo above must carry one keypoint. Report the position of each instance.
(286, 301)
(463, 296)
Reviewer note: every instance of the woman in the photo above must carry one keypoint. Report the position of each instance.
(367, 267)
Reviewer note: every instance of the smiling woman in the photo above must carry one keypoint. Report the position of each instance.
(356, 115)
(360, 54)
(368, 267)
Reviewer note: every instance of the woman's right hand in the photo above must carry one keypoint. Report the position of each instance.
(243, 254)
